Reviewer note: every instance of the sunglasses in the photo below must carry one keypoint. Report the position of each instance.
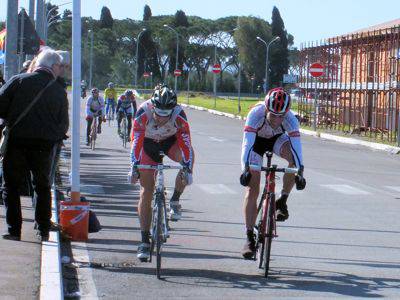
(162, 112)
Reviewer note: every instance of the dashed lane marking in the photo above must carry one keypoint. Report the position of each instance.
(216, 189)
(346, 189)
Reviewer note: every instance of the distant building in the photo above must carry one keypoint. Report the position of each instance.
(359, 91)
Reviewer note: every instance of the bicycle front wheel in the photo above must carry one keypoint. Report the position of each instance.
(93, 136)
(159, 239)
(124, 133)
(269, 233)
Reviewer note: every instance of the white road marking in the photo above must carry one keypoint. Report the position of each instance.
(93, 189)
(216, 189)
(50, 271)
(346, 189)
(216, 139)
(87, 287)
(394, 188)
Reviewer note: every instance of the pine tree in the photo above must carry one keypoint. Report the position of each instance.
(279, 61)
(106, 20)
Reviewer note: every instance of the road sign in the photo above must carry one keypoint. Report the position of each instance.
(216, 68)
(177, 72)
(316, 70)
(146, 74)
(289, 78)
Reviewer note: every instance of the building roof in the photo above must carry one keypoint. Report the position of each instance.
(385, 25)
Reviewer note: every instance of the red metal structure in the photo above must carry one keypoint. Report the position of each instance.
(359, 92)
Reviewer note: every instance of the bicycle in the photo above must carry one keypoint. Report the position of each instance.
(124, 133)
(265, 228)
(93, 132)
(159, 223)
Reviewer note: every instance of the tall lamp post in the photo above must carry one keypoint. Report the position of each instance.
(137, 54)
(177, 50)
(277, 38)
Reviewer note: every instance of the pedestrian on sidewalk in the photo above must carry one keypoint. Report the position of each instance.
(35, 108)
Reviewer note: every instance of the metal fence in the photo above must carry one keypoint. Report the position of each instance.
(359, 91)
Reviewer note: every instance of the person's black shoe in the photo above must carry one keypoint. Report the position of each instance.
(42, 236)
(282, 213)
(12, 237)
(249, 248)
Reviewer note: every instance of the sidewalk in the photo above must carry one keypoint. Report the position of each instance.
(20, 261)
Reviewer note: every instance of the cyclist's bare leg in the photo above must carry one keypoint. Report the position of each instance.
(147, 183)
(250, 200)
(288, 179)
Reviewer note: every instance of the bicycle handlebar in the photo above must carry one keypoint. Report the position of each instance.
(159, 167)
(275, 169)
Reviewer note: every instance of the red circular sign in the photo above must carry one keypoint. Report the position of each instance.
(216, 68)
(316, 70)
(146, 74)
(177, 72)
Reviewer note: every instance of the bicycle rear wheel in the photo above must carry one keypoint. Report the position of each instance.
(269, 234)
(159, 237)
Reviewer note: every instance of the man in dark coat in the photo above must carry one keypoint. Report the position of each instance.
(32, 141)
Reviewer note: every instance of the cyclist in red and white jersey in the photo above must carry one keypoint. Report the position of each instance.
(270, 127)
(160, 125)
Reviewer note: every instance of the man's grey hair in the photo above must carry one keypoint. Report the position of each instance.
(48, 58)
(66, 59)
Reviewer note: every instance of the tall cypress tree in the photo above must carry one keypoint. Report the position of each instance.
(106, 20)
(279, 60)
(147, 56)
(180, 20)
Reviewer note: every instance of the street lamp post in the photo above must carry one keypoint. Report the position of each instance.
(137, 56)
(177, 51)
(91, 58)
(277, 38)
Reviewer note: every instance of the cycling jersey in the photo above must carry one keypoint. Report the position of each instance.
(126, 105)
(110, 93)
(144, 126)
(95, 106)
(257, 129)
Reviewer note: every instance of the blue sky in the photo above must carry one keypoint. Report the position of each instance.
(307, 20)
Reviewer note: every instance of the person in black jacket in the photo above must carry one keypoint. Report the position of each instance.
(32, 140)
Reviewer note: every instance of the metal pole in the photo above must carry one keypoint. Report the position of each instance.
(32, 10)
(215, 78)
(91, 60)
(188, 87)
(398, 130)
(11, 63)
(176, 62)
(39, 18)
(239, 82)
(21, 41)
(151, 80)
(76, 97)
(315, 105)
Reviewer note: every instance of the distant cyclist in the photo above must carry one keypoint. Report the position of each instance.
(94, 109)
(160, 125)
(110, 95)
(270, 126)
(126, 107)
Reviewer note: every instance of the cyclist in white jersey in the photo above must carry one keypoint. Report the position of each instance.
(270, 127)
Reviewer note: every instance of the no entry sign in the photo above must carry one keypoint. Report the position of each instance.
(316, 70)
(177, 72)
(216, 68)
(146, 74)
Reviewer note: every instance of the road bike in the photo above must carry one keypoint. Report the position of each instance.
(93, 132)
(159, 223)
(124, 132)
(265, 228)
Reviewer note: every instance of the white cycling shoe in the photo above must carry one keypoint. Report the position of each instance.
(175, 213)
(143, 251)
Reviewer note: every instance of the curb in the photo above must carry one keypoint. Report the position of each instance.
(326, 136)
(51, 286)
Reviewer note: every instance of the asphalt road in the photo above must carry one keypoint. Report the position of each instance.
(341, 240)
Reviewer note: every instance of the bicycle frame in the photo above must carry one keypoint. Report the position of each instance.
(93, 132)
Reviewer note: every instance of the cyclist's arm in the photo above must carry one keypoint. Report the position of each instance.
(119, 104)
(103, 112)
(292, 127)
(134, 107)
(249, 138)
(138, 134)
(184, 140)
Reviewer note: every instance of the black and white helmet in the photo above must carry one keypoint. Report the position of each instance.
(164, 98)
